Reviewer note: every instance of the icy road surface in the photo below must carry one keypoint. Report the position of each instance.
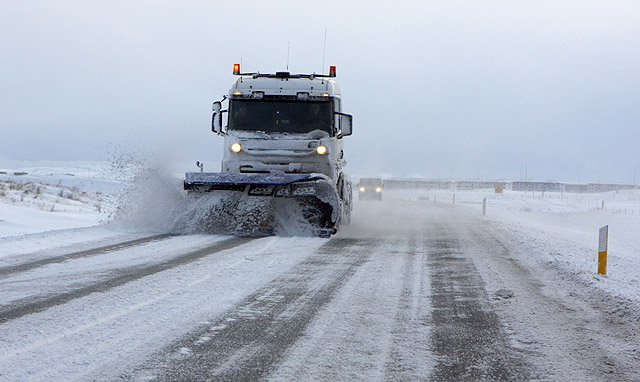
(407, 292)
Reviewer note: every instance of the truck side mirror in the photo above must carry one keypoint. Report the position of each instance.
(345, 122)
(216, 118)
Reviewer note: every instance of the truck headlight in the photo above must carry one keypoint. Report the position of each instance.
(235, 147)
(321, 150)
(361, 189)
(379, 189)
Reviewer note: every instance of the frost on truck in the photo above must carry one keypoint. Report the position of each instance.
(283, 165)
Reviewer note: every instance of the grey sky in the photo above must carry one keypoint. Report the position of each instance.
(437, 88)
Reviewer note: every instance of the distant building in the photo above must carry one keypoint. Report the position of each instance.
(602, 187)
(463, 185)
(575, 188)
(466, 185)
(414, 184)
(537, 186)
(439, 184)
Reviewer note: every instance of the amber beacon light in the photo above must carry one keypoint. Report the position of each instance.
(332, 71)
(236, 69)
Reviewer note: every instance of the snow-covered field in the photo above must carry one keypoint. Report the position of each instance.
(40, 199)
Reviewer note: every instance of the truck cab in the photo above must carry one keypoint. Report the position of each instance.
(285, 123)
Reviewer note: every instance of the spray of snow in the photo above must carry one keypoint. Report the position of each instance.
(153, 198)
(149, 200)
(151, 195)
(230, 212)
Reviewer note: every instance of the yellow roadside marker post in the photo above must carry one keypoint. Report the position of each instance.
(602, 250)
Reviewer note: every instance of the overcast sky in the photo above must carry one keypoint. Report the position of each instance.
(461, 89)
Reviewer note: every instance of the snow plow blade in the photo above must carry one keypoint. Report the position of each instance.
(265, 204)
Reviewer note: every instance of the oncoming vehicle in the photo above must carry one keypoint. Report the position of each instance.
(283, 165)
(370, 188)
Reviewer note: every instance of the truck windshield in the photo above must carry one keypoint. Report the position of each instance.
(293, 117)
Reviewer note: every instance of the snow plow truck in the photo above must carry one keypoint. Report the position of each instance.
(282, 170)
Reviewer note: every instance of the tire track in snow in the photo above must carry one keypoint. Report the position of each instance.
(86, 253)
(410, 357)
(120, 277)
(249, 341)
(358, 335)
(468, 336)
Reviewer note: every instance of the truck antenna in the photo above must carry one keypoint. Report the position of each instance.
(288, 49)
(324, 49)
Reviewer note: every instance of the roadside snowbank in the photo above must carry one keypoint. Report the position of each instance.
(41, 199)
(129, 194)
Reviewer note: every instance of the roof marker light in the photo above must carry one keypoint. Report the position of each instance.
(236, 69)
(332, 71)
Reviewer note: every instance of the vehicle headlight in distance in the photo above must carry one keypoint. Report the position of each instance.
(321, 150)
(379, 189)
(235, 147)
(361, 189)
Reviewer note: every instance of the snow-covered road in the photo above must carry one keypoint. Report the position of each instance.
(407, 292)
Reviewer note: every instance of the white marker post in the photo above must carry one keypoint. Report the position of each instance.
(484, 207)
(602, 250)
